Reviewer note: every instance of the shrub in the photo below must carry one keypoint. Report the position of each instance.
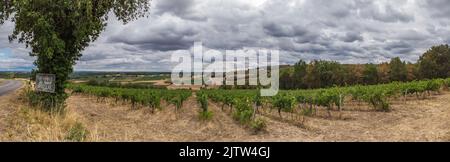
(77, 133)
(258, 125)
(433, 85)
(244, 111)
(49, 102)
(378, 100)
(206, 115)
(307, 111)
(447, 82)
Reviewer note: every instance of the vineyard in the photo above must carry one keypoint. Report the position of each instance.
(308, 101)
(247, 107)
(150, 98)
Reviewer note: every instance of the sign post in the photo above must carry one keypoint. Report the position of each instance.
(45, 83)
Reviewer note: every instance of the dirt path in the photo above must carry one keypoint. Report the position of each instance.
(229, 128)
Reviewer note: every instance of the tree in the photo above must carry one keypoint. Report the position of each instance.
(370, 74)
(412, 71)
(397, 70)
(286, 79)
(300, 74)
(324, 74)
(435, 63)
(383, 72)
(59, 30)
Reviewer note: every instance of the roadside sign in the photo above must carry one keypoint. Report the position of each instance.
(45, 83)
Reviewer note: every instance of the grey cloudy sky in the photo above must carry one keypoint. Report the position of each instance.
(348, 31)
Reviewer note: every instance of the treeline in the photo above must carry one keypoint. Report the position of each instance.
(435, 63)
(12, 75)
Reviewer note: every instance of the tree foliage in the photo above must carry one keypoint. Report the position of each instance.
(397, 70)
(300, 73)
(324, 73)
(435, 63)
(370, 74)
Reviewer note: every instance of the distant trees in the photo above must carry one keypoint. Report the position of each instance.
(383, 73)
(318, 73)
(300, 72)
(370, 74)
(435, 63)
(287, 79)
(323, 73)
(397, 70)
(413, 73)
(353, 74)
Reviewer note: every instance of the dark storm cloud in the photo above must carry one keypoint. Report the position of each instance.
(165, 36)
(278, 30)
(174, 6)
(390, 14)
(162, 42)
(352, 37)
(397, 45)
(181, 8)
(96, 57)
(438, 8)
(412, 35)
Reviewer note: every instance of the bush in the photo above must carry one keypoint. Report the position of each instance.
(202, 99)
(77, 133)
(378, 101)
(49, 102)
(447, 82)
(244, 112)
(77, 89)
(258, 125)
(206, 115)
(307, 111)
(433, 85)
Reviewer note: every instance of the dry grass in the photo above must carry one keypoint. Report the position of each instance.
(22, 123)
(35, 125)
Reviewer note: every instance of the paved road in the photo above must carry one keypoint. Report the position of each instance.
(8, 86)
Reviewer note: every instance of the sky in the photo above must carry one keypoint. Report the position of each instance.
(348, 31)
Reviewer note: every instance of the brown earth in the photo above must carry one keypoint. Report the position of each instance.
(413, 120)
